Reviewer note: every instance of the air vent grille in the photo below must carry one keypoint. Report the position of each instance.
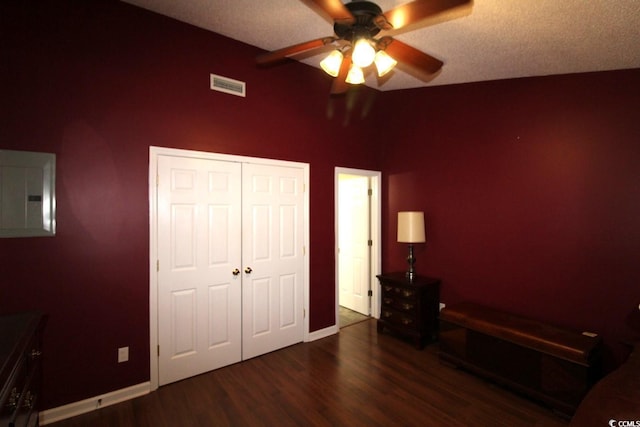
(227, 85)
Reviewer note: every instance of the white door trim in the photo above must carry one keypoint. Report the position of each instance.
(154, 152)
(376, 235)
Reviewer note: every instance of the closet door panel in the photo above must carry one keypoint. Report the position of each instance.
(199, 247)
(273, 251)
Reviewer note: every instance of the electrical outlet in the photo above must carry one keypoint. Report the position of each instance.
(123, 354)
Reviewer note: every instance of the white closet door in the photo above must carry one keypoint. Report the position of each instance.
(199, 246)
(273, 258)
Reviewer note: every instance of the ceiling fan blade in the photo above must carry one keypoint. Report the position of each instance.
(339, 85)
(336, 10)
(417, 10)
(280, 54)
(421, 64)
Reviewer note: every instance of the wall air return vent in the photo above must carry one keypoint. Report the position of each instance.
(227, 85)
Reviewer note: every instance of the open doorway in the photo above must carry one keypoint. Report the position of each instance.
(358, 251)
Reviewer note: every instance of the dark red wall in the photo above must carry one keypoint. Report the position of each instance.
(97, 83)
(531, 193)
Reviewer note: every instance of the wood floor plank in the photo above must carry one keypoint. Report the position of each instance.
(356, 378)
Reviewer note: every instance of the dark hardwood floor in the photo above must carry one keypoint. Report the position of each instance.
(354, 378)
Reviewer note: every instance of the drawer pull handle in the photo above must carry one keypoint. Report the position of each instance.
(386, 314)
(406, 321)
(388, 288)
(28, 400)
(388, 300)
(407, 306)
(35, 353)
(407, 293)
(12, 402)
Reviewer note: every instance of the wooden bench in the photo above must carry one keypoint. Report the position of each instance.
(549, 364)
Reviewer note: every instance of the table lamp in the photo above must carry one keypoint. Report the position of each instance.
(411, 230)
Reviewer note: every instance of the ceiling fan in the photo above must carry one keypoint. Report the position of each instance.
(355, 26)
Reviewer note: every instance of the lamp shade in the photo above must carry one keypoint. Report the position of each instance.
(363, 53)
(384, 63)
(331, 64)
(411, 227)
(355, 75)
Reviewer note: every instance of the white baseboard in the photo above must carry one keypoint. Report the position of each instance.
(323, 333)
(72, 409)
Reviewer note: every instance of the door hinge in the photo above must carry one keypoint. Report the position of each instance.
(304, 313)
(370, 242)
(158, 351)
(370, 293)
(369, 192)
(304, 250)
(157, 265)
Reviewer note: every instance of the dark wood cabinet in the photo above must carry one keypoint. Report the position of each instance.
(20, 368)
(410, 307)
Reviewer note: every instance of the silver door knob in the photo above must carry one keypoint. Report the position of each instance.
(248, 270)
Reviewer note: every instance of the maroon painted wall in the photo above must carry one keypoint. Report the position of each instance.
(97, 83)
(531, 193)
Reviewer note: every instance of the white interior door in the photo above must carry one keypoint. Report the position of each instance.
(199, 246)
(354, 235)
(273, 257)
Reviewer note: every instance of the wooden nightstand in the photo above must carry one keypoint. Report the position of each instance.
(410, 307)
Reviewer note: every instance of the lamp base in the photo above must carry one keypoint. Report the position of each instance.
(411, 260)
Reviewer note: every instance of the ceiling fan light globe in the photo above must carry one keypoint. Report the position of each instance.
(355, 76)
(384, 63)
(331, 64)
(363, 53)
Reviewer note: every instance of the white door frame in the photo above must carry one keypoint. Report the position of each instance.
(376, 235)
(154, 152)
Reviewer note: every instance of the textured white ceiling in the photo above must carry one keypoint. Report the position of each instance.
(491, 40)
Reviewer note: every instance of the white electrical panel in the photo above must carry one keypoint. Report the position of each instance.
(27, 194)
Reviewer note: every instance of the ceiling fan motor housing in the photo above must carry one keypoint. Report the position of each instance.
(364, 13)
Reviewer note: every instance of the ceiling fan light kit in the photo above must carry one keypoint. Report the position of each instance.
(383, 62)
(356, 24)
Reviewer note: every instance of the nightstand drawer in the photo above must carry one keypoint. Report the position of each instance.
(398, 291)
(405, 305)
(398, 318)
